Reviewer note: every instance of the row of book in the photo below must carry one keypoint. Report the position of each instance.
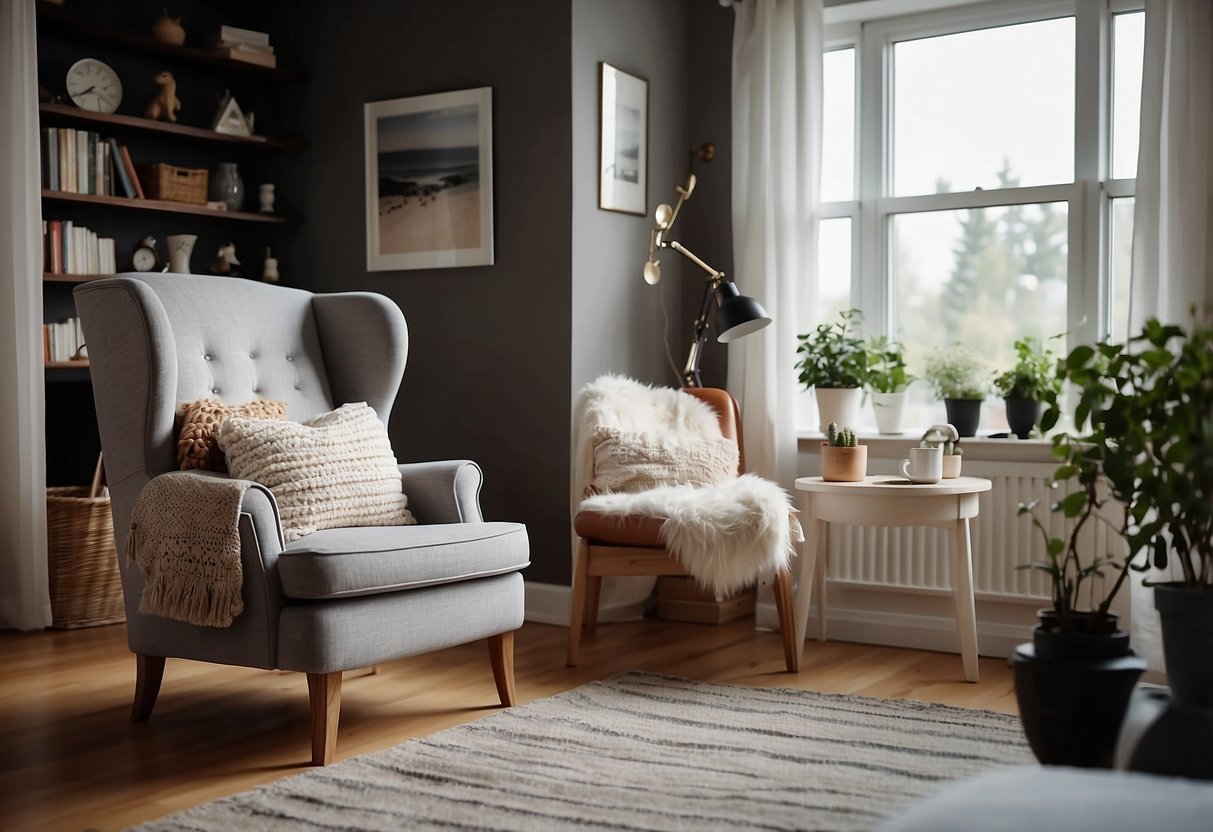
(83, 162)
(244, 45)
(63, 340)
(73, 249)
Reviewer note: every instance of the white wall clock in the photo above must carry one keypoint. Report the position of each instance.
(94, 85)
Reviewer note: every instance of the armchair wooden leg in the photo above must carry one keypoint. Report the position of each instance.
(787, 619)
(578, 598)
(324, 696)
(501, 654)
(593, 593)
(149, 671)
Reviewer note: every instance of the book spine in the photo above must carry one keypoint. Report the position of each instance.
(69, 182)
(96, 143)
(61, 155)
(128, 190)
(107, 173)
(67, 247)
(55, 228)
(129, 165)
(81, 162)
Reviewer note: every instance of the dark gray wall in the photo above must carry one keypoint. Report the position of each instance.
(498, 353)
(489, 361)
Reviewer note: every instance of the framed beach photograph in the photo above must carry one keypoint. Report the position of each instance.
(623, 142)
(429, 181)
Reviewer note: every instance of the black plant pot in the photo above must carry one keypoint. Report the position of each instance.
(1072, 689)
(964, 415)
(1187, 641)
(1022, 416)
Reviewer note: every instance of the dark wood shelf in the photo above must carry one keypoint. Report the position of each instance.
(165, 207)
(54, 18)
(58, 277)
(133, 124)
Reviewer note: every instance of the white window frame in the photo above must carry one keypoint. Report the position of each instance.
(1088, 197)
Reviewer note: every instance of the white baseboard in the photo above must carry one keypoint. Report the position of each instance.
(549, 604)
(899, 629)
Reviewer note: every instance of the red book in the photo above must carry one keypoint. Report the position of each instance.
(56, 243)
(130, 171)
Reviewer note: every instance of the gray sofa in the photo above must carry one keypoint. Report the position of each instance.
(335, 600)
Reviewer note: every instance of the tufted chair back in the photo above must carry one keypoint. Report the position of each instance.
(157, 341)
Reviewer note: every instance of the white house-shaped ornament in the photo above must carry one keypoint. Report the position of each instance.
(230, 119)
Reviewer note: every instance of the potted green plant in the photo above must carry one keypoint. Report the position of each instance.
(834, 364)
(1147, 407)
(1028, 385)
(843, 459)
(1073, 681)
(887, 379)
(958, 374)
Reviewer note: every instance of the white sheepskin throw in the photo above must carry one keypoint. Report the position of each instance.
(727, 535)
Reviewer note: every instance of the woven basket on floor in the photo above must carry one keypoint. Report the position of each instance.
(86, 588)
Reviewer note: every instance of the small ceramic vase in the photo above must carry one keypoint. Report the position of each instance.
(227, 186)
(180, 247)
(265, 196)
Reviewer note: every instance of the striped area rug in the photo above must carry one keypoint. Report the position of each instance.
(643, 751)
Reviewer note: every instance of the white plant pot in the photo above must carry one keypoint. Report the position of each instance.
(888, 408)
(951, 466)
(839, 405)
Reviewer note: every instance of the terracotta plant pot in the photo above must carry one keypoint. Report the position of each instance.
(169, 30)
(844, 464)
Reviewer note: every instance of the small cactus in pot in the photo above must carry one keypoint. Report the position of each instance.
(843, 459)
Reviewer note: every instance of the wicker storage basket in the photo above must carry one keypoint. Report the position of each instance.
(86, 588)
(161, 181)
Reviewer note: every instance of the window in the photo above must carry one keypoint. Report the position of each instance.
(982, 199)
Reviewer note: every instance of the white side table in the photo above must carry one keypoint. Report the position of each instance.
(891, 501)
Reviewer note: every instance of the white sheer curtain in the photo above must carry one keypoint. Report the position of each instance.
(24, 599)
(1173, 213)
(777, 69)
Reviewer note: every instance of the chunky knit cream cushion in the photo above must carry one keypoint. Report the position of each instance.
(335, 471)
(626, 461)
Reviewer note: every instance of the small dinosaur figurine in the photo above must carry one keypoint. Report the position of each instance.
(166, 104)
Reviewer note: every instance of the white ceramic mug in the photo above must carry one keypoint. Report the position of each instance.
(925, 465)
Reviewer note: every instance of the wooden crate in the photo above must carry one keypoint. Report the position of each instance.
(681, 599)
(168, 182)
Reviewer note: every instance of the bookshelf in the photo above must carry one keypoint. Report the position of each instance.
(116, 34)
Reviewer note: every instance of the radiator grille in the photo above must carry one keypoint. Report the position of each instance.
(917, 559)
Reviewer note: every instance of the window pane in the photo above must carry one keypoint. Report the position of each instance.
(838, 126)
(833, 270)
(990, 108)
(1120, 264)
(983, 277)
(1128, 48)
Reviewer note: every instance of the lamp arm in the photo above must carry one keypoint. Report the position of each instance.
(688, 254)
(690, 373)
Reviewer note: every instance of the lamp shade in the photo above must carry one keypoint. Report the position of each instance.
(738, 315)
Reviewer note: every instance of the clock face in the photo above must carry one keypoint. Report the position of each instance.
(94, 86)
(144, 259)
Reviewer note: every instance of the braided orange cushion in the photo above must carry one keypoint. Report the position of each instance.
(198, 445)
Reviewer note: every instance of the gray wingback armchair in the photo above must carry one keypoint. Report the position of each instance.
(335, 600)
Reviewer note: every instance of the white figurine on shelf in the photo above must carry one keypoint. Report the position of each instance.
(269, 272)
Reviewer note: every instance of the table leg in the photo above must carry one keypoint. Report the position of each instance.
(804, 582)
(823, 546)
(962, 592)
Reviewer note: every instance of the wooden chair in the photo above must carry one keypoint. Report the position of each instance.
(613, 545)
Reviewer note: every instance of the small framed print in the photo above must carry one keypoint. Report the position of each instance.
(429, 181)
(623, 142)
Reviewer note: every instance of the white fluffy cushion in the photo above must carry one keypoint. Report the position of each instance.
(625, 461)
(335, 471)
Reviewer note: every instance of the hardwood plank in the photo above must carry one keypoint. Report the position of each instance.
(74, 760)
(58, 113)
(164, 206)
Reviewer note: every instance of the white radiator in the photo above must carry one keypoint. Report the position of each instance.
(917, 559)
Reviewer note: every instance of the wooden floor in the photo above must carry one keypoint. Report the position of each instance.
(72, 760)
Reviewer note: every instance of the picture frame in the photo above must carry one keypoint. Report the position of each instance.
(429, 181)
(623, 141)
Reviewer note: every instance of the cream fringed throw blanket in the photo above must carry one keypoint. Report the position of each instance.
(185, 536)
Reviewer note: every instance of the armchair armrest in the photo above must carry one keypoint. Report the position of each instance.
(443, 492)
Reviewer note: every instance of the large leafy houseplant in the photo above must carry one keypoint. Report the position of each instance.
(960, 377)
